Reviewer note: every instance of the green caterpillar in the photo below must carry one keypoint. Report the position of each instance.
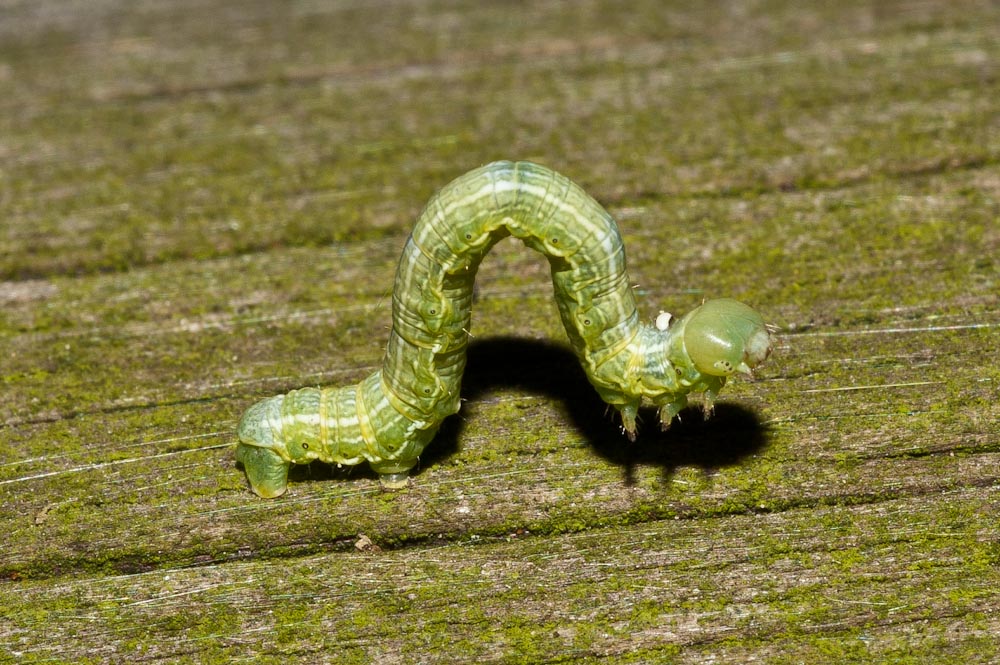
(390, 417)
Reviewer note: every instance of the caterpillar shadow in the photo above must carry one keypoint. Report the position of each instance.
(731, 435)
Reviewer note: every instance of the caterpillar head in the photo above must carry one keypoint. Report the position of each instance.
(725, 336)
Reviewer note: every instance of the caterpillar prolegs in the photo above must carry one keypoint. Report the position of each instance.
(390, 417)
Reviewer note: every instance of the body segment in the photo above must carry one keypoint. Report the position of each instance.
(388, 418)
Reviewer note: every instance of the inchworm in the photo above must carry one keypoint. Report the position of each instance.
(390, 417)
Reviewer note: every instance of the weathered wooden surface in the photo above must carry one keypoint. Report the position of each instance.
(202, 204)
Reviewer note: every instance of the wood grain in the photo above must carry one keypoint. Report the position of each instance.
(202, 206)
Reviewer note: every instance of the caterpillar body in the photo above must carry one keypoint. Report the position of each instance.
(388, 418)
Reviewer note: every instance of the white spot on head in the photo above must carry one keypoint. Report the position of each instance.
(663, 320)
(758, 348)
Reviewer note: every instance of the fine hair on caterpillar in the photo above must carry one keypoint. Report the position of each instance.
(388, 418)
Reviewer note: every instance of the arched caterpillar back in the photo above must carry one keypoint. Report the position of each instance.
(391, 416)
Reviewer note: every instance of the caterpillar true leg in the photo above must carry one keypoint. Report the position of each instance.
(389, 417)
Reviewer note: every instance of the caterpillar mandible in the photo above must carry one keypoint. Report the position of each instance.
(390, 417)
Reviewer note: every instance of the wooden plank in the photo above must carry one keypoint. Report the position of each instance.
(202, 209)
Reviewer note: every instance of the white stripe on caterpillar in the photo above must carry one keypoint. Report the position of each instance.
(390, 417)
